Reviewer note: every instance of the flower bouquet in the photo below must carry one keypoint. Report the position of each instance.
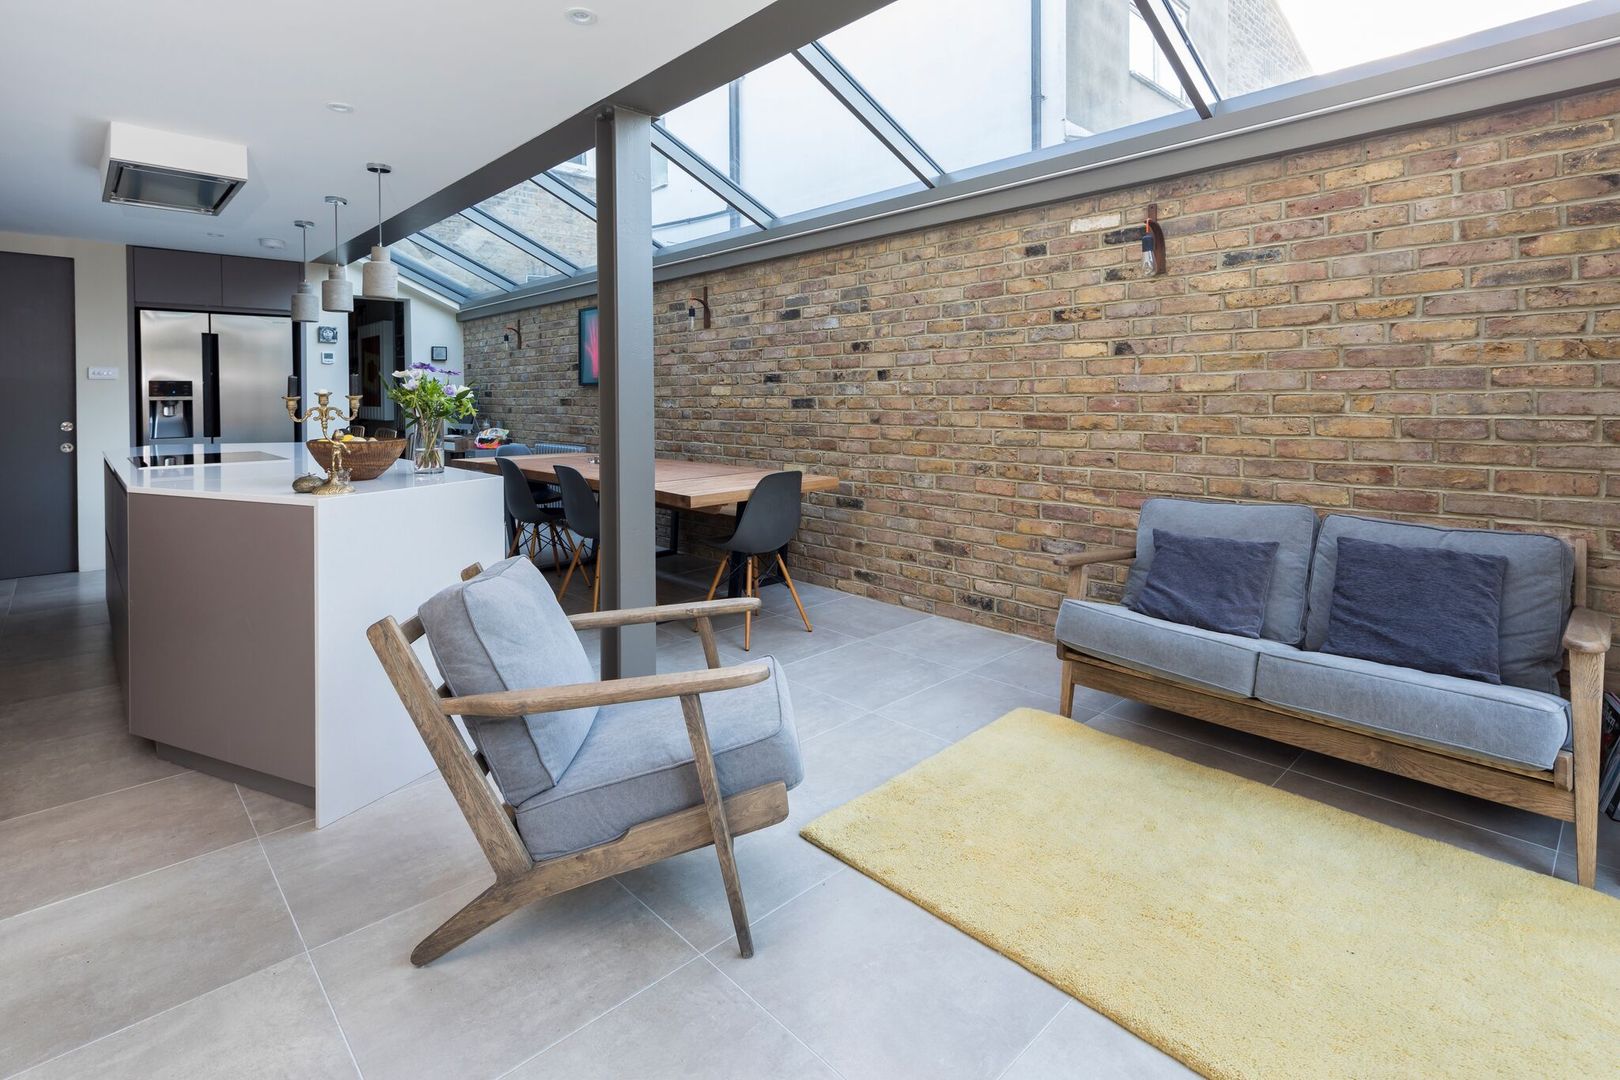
(428, 400)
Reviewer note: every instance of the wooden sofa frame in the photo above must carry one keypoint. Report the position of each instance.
(1567, 791)
(519, 879)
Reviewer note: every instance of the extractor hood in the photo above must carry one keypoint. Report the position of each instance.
(146, 167)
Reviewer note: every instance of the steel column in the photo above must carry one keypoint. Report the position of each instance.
(624, 254)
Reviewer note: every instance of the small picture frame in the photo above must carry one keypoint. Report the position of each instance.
(326, 335)
(438, 354)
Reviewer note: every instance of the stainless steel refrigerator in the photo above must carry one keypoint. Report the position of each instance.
(214, 378)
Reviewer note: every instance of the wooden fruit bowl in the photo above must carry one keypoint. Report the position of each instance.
(364, 460)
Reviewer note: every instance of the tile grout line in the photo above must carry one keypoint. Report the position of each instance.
(133, 877)
(102, 795)
(1423, 810)
(609, 1011)
(777, 1019)
(308, 959)
(1020, 1055)
(704, 956)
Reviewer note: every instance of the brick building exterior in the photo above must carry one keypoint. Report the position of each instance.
(1423, 325)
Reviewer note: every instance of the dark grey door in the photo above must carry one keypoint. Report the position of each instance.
(38, 442)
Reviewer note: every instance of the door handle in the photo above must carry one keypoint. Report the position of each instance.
(66, 448)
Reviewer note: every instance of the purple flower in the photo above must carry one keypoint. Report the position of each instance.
(420, 366)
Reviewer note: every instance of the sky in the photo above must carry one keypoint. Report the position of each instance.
(1336, 35)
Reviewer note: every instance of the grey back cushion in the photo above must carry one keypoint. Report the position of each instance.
(1535, 589)
(504, 630)
(1291, 528)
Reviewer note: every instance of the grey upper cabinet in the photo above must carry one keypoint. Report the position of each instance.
(199, 281)
(187, 280)
(258, 284)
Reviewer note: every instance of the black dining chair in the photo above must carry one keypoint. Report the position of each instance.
(386, 433)
(582, 516)
(522, 510)
(546, 495)
(769, 520)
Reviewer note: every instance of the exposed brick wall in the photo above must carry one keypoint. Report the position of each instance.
(1422, 325)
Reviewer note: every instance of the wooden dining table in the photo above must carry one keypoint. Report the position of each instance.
(678, 485)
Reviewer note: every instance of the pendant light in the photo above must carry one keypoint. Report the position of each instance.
(379, 279)
(336, 292)
(306, 306)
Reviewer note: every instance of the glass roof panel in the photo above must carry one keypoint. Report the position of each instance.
(980, 82)
(684, 210)
(477, 243)
(1291, 39)
(547, 220)
(795, 148)
(465, 280)
(579, 173)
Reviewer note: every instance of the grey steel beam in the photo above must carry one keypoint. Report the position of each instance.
(624, 257)
(854, 97)
(1161, 34)
(707, 175)
(771, 32)
(522, 241)
(1549, 56)
(465, 261)
(566, 193)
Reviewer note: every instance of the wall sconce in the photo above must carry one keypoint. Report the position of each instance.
(691, 310)
(510, 333)
(1152, 243)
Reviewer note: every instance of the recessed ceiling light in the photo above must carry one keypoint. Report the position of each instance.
(274, 243)
(339, 107)
(580, 16)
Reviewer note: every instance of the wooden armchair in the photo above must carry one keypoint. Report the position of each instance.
(520, 878)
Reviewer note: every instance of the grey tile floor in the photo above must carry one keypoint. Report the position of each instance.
(155, 922)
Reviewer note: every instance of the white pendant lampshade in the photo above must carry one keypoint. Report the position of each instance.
(336, 292)
(379, 278)
(306, 306)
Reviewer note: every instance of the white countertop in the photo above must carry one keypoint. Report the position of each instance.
(265, 481)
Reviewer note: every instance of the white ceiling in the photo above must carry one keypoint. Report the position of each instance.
(438, 88)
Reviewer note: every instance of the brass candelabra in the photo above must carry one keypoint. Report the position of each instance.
(337, 477)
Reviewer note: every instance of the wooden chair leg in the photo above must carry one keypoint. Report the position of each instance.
(1586, 708)
(483, 911)
(748, 616)
(573, 564)
(1066, 691)
(709, 782)
(596, 582)
(517, 538)
(718, 572)
(787, 577)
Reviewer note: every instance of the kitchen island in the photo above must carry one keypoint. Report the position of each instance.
(239, 611)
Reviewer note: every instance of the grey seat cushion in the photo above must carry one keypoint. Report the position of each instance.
(636, 765)
(1292, 528)
(1184, 654)
(504, 630)
(1535, 592)
(1500, 723)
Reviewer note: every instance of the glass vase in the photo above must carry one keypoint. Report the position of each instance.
(427, 444)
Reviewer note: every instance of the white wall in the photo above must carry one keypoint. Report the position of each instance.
(429, 321)
(101, 339)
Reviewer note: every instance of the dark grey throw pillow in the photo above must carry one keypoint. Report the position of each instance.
(1208, 582)
(1418, 607)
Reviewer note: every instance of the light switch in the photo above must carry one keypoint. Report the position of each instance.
(103, 374)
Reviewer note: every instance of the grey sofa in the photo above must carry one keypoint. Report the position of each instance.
(1524, 742)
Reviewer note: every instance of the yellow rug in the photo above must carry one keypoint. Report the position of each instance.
(1244, 930)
